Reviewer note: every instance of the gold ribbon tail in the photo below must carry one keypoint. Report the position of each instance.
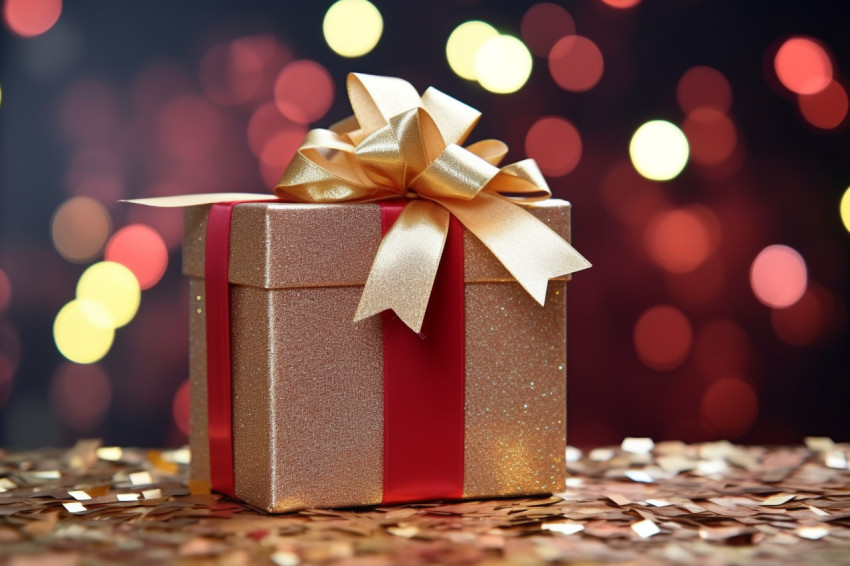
(531, 251)
(180, 201)
(405, 266)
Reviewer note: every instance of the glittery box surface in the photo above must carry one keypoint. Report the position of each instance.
(308, 382)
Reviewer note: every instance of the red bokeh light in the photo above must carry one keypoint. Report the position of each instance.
(555, 144)
(231, 73)
(5, 291)
(711, 136)
(576, 63)
(142, 250)
(80, 395)
(801, 323)
(729, 407)
(778, 276)
(190, 127)
(265, 123)
(167, 221)
(826, 109)
(629, 196)
(663, 337)
(721, 347)
(621, 4)
(29, 18)
(704, 87)
(304, 91)
(278, 152)
(180, 408)
(543, 25)
(803, 65)
(678, 240)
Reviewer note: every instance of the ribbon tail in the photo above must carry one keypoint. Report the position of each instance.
(405, 266)
(531, 251)
(180, 201)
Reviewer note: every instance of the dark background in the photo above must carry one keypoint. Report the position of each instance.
(126, 60)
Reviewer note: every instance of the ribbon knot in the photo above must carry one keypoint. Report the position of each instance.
(399, 145)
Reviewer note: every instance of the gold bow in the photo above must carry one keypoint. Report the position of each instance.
(399, 145)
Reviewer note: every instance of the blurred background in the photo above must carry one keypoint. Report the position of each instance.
(703, 144)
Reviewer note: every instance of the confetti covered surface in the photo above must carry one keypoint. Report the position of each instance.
(639, 503)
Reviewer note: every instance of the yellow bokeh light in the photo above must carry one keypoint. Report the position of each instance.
(503, 64)
(463, 45)
(352, 27)
(1, 95)
(659, 150)
(845, 209)
(115, 287)
(83, 331)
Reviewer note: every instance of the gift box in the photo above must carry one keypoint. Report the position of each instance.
(308, 382)
(390, 326)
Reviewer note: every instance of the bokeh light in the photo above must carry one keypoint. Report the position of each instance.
(190, 127)
(180, 408)
(83, 331)
(826, 109)
(231, 73)
(113, 286)
(352, 28)
(5, 291)
(1, 95)
(576, 63)
(278, 152)
(711, 136)
(803, 322)
(659, 150)
(803, 65)
(629, 197)
(621, 4)
(730, 407)
(844, 209)
(266, 122)
(29, 18)
(304, 91)
(543, 25)
(80, 395)
(463, 45)
(778, 276)
(80, 228)
(678, 240)
(140, 248)
(703, 87)
(555, 144)
(503, 64)
(662, 337)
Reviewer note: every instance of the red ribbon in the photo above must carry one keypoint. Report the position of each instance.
(424, 385)
(424, 375)
(219, 394)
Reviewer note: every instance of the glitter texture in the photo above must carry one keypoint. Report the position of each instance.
(308, 382)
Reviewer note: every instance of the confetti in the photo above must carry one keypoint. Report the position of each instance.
(708, 503)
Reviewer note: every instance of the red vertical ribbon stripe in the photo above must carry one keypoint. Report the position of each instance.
(219, 395)
(424, 385)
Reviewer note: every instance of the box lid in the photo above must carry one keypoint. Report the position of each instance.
(282, 245)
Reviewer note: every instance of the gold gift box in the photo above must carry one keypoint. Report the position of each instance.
(307, 381)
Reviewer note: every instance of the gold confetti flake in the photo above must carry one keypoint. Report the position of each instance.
(637, 445)
(79, 495)
(141, 478)
(645, 528)
(110, 453)
(74, 507)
